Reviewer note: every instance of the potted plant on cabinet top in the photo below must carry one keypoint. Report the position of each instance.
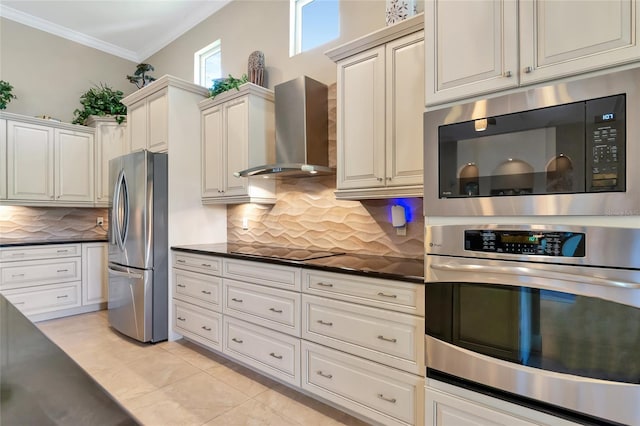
(221, 85)
(101, 100)
(5, 94)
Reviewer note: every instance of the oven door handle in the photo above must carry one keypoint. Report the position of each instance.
(531, 272)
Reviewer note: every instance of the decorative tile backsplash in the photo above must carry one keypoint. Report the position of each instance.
(26, 224)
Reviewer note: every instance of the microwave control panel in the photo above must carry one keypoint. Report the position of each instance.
(606, 143)
(541, 243)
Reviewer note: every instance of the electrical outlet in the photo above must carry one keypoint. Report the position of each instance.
(245, 223)
(99, 221)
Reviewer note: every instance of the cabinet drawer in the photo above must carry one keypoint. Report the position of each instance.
(388, 294)
(39, 272)
(269, 307)
(197, 263)
(391, 338)
(382, 393)
(285, 277)
(45, 298)
(268, 351)
(198, 324)
(199, 289)
(39, 252)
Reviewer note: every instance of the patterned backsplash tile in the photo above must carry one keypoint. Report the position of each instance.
(27, 224)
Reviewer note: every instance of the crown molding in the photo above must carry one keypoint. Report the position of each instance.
(64, 32)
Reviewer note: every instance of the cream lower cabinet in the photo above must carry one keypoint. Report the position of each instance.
(448, 405)
(238, 132)
(363, 344)
(380, 102)
(481, 47)
(197, 297)
(49, 163)
(51, 281)
(110, 142)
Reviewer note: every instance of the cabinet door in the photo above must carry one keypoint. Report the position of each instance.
(94, 273)
(3, 159)
(560, 38)
(360, 121)
(158, 122)
(405, 100)
(137, 123)
(73, 166)
(212, 152)
(29, 162)
(110, 143)
(235, 150)
(471, 48)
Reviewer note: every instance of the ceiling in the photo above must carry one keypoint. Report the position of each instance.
(130, 29)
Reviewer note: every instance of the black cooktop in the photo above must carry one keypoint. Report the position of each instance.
(283, 253)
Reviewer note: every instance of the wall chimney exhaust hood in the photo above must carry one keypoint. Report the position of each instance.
(301, 110)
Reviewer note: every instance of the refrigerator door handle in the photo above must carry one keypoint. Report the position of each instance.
(120, 210)
(123, 273)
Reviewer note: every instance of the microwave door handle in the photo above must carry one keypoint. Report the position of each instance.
(524, 271)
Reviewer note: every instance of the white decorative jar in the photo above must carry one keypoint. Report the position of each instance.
(399, 10)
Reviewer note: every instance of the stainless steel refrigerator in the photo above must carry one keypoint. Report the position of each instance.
(138, 246)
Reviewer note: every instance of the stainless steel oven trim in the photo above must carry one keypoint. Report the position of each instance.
(608, 400)
(601, 204)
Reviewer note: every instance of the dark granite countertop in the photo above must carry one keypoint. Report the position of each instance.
(5, 242)
(389, 267)
(41, 385)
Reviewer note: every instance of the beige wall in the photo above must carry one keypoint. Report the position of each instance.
(245, 26)
(49, 73)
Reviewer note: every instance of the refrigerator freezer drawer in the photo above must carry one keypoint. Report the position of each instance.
(130, 301)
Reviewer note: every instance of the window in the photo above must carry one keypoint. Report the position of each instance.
(313, 23)
(207, 64)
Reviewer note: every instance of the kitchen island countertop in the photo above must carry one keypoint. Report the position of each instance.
(389, 267)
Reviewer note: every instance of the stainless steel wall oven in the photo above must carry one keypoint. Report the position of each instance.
(563, 149)
(545, 316)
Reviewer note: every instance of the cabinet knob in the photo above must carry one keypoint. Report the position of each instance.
(507, 74)
(379, 179)
(527, 70)
(388, 179)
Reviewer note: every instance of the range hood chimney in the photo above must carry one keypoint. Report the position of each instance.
(301, 110)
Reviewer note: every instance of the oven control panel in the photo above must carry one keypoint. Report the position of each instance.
(541, 243)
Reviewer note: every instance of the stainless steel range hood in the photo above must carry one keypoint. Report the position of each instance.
(301, 111)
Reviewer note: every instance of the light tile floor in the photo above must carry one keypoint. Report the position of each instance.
(180, 383)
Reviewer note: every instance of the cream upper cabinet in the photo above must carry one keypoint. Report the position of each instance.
(3, 159)
(110, 142)
(237, 133)
(380, 102)
(49, 164)
(480, 47)
(156, 112)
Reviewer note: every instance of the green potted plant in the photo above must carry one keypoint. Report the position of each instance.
(221, 85)
(101, 100)
(5, 94)
(140, 77)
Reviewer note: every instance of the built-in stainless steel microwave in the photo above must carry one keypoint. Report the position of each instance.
(570, 148)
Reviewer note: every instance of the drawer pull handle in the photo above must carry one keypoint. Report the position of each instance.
(275, 356)
(181, 319)
(181, 261)
(18, 303)
(236, 300)
(324, 323)
(181, 285)
(325, 375)
(63, 296)
(63, 270)
(17, 254)
(63, 251)
(206, 265)
(204, 327)
(393, 296)
(17, 275)
(393, 340)
(277, 311)
(205, 291)
(325, 284)
(237, 340)
(391, 400)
